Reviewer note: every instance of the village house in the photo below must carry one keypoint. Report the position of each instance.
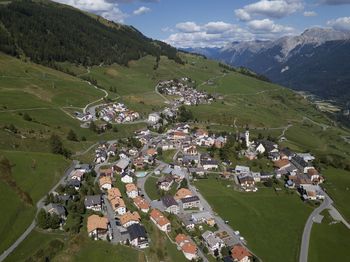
(131, 190)
(170, 204)
(191, 202)
(93, 203)
(139, 162)
(137, 236)
(300, 164)
(186, 221)
(247, 182)
(129, 218)
(105, 183)
(56, 209)
(196, 171)
(118, 206)
(77, 175)
(220, 142)
(142, 204)
(122, 165)
(165, 182)
(242, 169)
(240, 254)
(113, 193)
(75, 183)
(213, 243)
(182, 193)
(106, 172)
(191, 150)
(209, 164)
(188, 248)
(98, 227)
(126, 178)
(153, 118)
(201, 133)
(314, 176)
(160, 220)
(203, 217)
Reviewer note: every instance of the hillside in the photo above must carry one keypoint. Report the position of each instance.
(48, 32)
(313, 61)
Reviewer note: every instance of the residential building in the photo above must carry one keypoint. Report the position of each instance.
(165, 182)
(131, 190)
(153, 118)
(98, 227)
(203, 217)
(191, 202)
(126, 178)
(183, 193)
(105, 183)
(137, 236)
(170, 204)
(188, 248)
(118, 206)
(160, 220)
(141, 204)
(93, 202)
(213, 243)
(240, 254)
(129, 218)
(122, 165)
(56, 209)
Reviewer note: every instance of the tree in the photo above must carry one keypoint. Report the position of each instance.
(42, 219)
(56, 144)
(159, 151)
(72, 136)
(54, 221)
(184, 183)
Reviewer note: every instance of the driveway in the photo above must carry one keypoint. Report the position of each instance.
(117, 237)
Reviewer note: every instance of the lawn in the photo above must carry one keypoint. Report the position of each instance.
(329, 242)
(338, 187)
(167, 155)
(152, 190)
(271, 222)
(35, 174)
(36, 243)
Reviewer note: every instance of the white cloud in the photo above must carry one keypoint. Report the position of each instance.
(105, 8)
(269, 8)
(341, 23)
(218, 27)
(268, 26)
(335, 2)
(309, 13)
(188, 27)
(142, 10)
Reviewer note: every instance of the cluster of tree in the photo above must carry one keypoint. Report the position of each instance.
(227, 67)
(57, 146)
(49, 32)
(46, 220)
(72, 136)
(184, 114)
(133, 142)
(228, 151)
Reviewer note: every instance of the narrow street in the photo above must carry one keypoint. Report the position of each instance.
(117, 237)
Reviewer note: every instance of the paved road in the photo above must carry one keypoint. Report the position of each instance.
(39, 205)
(304, 249)
(117, 237)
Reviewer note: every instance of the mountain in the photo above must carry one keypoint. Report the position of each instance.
(49, 32)
(314, 61)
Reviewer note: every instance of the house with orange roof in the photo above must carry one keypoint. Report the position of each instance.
(105, 183)
(118, 206)
(129, 218)
(160, 220)
(151, 152)
(314, 176)
(106, 172)
(113, 193)
(240, 254)
(98, 227)
(183, 193)
(141, 204)
(188, 248)
(131, 190)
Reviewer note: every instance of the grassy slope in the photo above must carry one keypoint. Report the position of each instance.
(271, 223)
(37, 182)
(329, 242)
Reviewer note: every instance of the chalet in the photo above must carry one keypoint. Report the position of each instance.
(129, 218)
(191, 202)
(314, 176)
(131, 190)
(139, 162)
(77, 175)
(219, 142)
(56, 209)
(170, 204)
(98, 227)
(118, 206)
(247, 182)
(106, 172)
(105, 183)
(186, 245)
(126, 178)
(285, 153)
(213, 243)
(160, 220)
(122, 165)
(137, 236)
(113, 193)
(153, 118)
(141, 204)
(191, 150)
(183, 193)
(165, 182)
(240, 254)
(196, 171)
(93, 203)
(75, 183)
(201, 133)
(300, 164)
(209, 164)
(307, 157)
(242, 169)
(203, 217)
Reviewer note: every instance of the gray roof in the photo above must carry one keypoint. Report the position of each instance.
(190, 199)
(169, 201)
(136, 231)
(123, 163)
(55, 208)
(93, 200)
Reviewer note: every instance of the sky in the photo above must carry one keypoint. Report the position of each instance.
(214, 23)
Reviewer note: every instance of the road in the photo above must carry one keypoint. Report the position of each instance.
(39, 205)
(304, 249)
(117, 237)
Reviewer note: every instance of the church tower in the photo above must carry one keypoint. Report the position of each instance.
(247, 142)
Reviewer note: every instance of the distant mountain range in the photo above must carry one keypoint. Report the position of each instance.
(317, 61)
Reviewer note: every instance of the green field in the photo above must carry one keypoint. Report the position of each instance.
(338, 187)
(34, 174)
(152, 189)
(329, 242)
(272, 223)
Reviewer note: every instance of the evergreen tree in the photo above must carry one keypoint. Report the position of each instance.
(56, 144)
(72, 136)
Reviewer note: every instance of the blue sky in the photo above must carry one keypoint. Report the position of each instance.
(213, 23)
